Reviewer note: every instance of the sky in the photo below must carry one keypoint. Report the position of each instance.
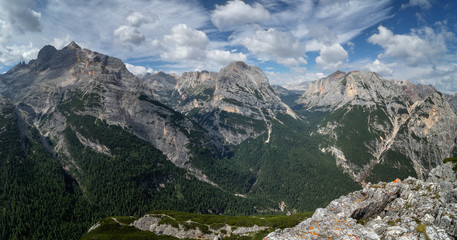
(290, 40)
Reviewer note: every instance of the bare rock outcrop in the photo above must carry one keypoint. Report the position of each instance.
(409, 209)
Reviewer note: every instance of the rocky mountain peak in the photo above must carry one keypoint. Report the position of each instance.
(243, 74)
(194, 79)
(73, 45)
(46, 53)
(336, 75)
(42, 82)
(452, 99)
(416, 92)
(355, 87)
(160, 85)
(238, 65)
(238, 99)
(160, 77)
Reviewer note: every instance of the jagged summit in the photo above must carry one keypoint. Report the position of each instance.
(105, 89)
(355, 87)
(50, 57)
(337, 74)
(416, 92)
(46, 53)
(238, 99)
(61, 68)
(73, 45)
(239, 64)
(242, 73)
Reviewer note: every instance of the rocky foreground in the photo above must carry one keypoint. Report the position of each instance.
(409, 209)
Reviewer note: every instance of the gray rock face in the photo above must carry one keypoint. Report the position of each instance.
(152, 223)
(452, 99)
(284, 92)
(161, 86)
(430, 133)
(416, 92)
(404, 119)
(3, 102)
(235, 104)
(412, 209)
(109, 90)
(355, 88)
(6, 109)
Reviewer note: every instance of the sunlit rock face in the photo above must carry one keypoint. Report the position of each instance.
(396, 125)
(409, 209)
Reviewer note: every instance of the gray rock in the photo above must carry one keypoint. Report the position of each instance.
(416, 92)
(452, 99)
(414, 121)
(410, 209)
(118, 97)
(235, 104)
(151, 222)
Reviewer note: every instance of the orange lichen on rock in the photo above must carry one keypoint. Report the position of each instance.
(397, 181)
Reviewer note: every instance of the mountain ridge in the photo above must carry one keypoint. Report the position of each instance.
(393, 115)
(258, 148)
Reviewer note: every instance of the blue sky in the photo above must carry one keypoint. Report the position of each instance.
(291, 40)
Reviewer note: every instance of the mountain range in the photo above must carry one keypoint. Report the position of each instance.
(83, 139)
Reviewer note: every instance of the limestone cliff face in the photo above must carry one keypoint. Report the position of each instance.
(416, 92)
(409, 209)
(429, 134)
(232, 105)
(107, 91)
(356, 88)
(452, 99)
(161, 86)
(240, 102)
(395, 125)
(4, 103)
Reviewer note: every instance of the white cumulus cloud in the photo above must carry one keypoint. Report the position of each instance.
(237, 12)
(225, 57)
(183, 43)
(136, 19)
(332, 56)
(138, 70)
(380, 68)
(191, 48)
(423, 46)
(14, 53)
(276, 45)
(128, 34)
